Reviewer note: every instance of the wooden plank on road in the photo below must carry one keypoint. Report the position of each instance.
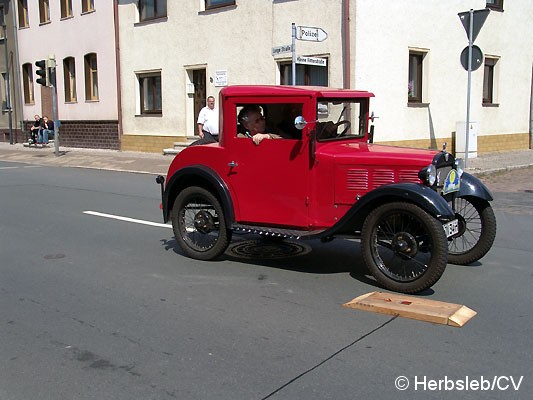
(422, 309)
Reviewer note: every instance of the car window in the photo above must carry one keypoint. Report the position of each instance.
(279, 118)
(339, 119)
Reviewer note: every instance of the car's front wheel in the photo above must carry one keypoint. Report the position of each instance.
(477, 231)
(199, 224)
(404, 247)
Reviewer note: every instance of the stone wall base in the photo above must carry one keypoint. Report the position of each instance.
(149, 144)
(485, 144)
(86, 134)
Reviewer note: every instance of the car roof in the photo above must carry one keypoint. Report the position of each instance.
(282, 90)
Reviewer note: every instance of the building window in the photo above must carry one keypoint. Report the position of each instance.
(150, 9)
(4, 91)
(27, 77)
(44, 11)
(496, 5)
(66, 8)
(69, 69)
(209, 4)
(3, 17)
(308, 75)
(23, 13)
(87, 6)
(489, 80)
(414, 83)
(150, 93)
(91, 77)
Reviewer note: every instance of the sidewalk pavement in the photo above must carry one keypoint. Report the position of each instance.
(157, 164)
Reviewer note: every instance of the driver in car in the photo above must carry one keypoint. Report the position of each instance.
(252, 120)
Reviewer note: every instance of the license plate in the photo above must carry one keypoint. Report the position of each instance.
(451, 228)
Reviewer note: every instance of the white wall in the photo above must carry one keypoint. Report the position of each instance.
(381, 62)
(237, 39)
(73, 37)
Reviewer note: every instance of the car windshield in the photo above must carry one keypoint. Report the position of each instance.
(340, 119)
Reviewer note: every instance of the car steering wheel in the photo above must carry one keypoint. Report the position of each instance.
(345, 122)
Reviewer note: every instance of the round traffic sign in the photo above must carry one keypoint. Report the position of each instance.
(477, 58)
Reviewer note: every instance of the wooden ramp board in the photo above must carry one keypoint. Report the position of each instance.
(438, 312)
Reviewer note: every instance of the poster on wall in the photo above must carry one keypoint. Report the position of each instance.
(221, 77)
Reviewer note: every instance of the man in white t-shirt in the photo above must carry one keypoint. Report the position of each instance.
(208, 121)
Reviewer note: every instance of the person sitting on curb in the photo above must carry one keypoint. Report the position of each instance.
(35, 129)
(46, 131)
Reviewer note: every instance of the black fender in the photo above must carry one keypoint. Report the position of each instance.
(423, 196)
(197, 175)
(472, 186)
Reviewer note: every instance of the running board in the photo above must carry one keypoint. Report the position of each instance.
(277, 232)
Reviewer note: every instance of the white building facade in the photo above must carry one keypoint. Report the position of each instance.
(81, 36)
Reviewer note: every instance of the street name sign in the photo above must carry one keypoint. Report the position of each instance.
(319, 62)
(281, 49)
(311, 34)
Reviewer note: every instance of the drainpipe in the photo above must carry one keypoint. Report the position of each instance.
(16, 75)
(117, 67)
(531, 113)
(346, 44)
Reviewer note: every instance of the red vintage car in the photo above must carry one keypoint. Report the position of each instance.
(318, 175)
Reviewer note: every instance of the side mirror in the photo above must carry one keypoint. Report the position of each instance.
(300, 122)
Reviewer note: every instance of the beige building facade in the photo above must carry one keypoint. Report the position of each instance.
(80, 34)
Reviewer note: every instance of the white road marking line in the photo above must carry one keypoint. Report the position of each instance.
(126, 219)
(17, 167)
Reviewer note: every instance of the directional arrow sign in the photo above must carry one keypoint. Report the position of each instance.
(311, 34)
(480, 16)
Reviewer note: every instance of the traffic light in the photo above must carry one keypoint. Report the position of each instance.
(43, 73)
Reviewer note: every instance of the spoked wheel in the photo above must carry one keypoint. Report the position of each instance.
(404, 247)
(477, 230)
(199, 224)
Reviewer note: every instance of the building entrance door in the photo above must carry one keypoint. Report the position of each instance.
(198, 79)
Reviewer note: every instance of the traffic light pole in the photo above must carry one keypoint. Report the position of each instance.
(52, 78)
(54, 109)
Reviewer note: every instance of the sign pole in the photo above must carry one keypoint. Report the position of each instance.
(470, 43)
(293, 45)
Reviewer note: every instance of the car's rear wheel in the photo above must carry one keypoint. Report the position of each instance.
(404, 247)
(199, 224)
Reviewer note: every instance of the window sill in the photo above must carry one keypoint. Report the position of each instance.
(158, 115)
(71, 101)
(66, 18)
(88, 12)
(218, 9)
(490, 105)
(418, 105)
(151, 21)
(92, 100)
(45, 23)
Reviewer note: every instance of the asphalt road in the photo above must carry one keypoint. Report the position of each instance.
(99, 308)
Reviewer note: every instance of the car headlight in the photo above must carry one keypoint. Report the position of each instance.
(428, 174)
(459, 166)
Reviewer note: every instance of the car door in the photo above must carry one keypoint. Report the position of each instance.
(269, 181)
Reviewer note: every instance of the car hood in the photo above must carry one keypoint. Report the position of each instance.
(375, 154)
